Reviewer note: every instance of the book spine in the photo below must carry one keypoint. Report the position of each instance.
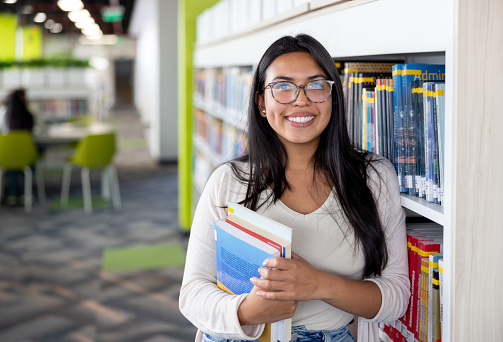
(439, 92)
(435, 314)
(390, 118)
(398, 118)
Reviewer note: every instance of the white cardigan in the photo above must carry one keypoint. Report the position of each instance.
(316, 238)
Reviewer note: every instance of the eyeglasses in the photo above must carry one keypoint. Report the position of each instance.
(287, 92)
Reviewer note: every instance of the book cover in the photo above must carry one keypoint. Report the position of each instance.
(410, 73)
(238, 257)
(275, 234)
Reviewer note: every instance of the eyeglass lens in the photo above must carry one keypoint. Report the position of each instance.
(316, 91)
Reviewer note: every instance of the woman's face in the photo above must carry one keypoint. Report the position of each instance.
(302, 121)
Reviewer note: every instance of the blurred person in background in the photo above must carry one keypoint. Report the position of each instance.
(15, 115)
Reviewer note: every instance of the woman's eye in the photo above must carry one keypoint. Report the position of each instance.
(284, 86)
(315, 85)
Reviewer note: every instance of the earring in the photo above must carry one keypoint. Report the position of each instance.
(264, 113)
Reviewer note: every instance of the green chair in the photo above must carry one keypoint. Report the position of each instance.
(18, 153)
(93, 152)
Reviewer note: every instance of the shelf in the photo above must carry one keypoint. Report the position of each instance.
(202, 146)
(420, 206)
(339, 39)
(228, 116)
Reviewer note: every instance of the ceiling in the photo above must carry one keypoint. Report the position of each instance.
(27, 9)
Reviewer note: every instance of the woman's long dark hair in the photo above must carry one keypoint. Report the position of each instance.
(338, 160)
(17, 115)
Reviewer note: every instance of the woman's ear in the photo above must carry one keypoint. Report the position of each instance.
(259, 100)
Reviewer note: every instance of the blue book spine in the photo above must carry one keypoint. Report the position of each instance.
(440, 99)
(410, 73)
(398, 132)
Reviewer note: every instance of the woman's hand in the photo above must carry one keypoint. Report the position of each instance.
(296, 279)
(289, 279)
(256, 309)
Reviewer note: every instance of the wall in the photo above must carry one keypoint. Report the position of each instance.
(154, 24)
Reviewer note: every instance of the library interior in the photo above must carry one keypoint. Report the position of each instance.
(115, 113)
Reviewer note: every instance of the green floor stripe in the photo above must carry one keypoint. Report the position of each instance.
(143, 257)
(78, 202)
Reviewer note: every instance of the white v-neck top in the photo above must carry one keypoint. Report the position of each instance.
(323, 238)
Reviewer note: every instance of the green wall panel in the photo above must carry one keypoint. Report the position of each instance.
(8, 26)
(188, 12)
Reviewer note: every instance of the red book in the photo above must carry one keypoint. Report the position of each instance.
(413, 236)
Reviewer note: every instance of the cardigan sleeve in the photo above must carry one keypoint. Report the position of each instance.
(394, 281)
(201, 301)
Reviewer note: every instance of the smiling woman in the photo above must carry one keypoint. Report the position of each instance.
(349, 253)
(291, 113)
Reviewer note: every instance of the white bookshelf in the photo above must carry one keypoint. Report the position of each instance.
(467, 36)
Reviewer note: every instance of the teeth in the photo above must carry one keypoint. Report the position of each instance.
(300, 119)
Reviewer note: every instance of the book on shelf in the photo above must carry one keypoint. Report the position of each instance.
(417, 103)
(254, 239)
(433, 301)
(410, 73)
(422, 240)
(398, 128)
(352, 96)
(415, 232)
(442, 296)
(440, 107)
(431, 159)
(436, 329)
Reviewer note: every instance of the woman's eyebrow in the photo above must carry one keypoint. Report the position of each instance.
(290, 79)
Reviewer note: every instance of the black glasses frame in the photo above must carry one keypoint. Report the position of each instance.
(297, 91)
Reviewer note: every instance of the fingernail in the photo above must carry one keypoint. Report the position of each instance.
(259, 293)
(253, 279)
(266, 261)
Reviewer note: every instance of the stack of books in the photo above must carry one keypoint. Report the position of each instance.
(242, 242)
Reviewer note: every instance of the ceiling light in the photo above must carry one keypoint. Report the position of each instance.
(9, 1)
(107, 39)
(49, 24)
(85, 22)
(40, 17)
(78, 15)
(70, 5)
(95, 36)
(56, 28)
(92, 30)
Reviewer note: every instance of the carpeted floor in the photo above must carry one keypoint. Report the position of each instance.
(62, 274)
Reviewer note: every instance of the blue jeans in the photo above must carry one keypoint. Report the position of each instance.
(301, 334)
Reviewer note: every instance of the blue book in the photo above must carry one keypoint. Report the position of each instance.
(398, 125)
(238, 257)
(410, 73)
(279, 233)
(431, 142)
(440, 108)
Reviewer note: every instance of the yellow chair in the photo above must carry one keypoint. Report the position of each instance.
(17, 153)
(93, 152)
